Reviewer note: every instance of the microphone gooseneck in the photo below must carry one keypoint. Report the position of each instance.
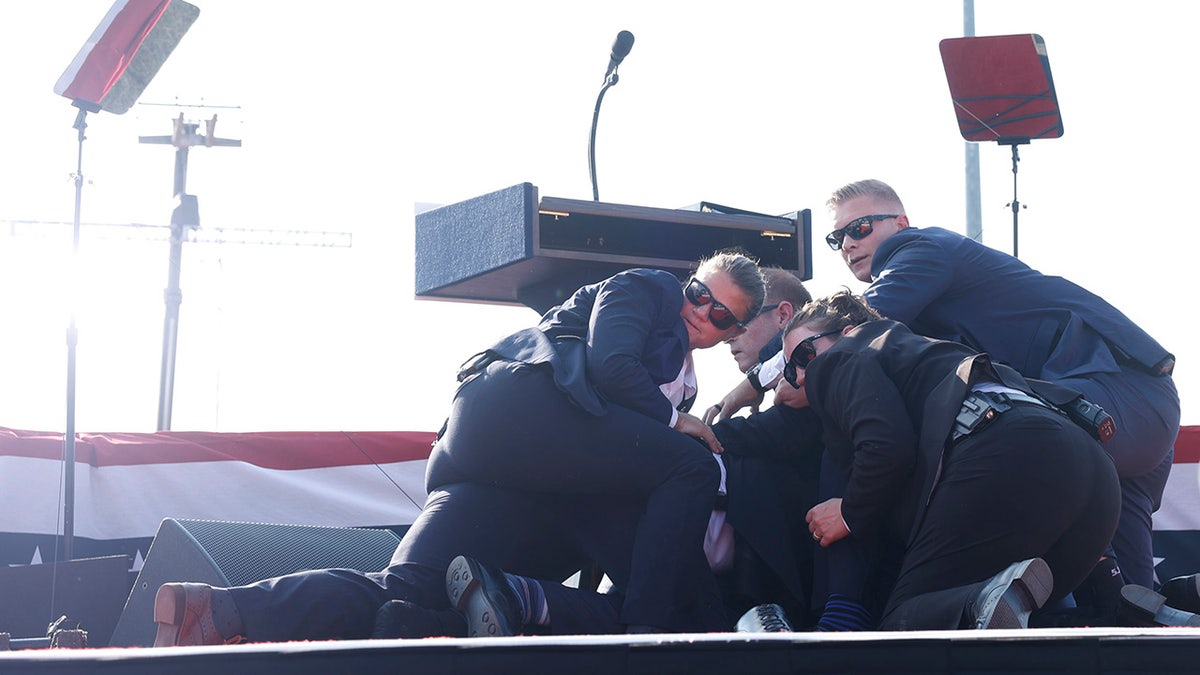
(620, 50)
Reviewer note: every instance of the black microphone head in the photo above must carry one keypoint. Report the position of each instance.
(622, 45)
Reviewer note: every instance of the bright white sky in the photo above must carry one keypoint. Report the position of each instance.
(352, 113)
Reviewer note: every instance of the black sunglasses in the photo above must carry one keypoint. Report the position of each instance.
(719, 315)
(856, 229)
(803, 355)
(764, 310)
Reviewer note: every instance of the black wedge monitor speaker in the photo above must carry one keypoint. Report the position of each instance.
(221, 553)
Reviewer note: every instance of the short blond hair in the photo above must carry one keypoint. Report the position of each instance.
(870, 187)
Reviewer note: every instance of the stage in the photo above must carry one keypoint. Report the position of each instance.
(1073, 650)
(346, 480)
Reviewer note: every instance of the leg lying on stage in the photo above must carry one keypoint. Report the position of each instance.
(513, 528)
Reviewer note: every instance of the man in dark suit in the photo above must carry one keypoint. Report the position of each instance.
(772, 461)
(556, 433)
(948, 286)
(971, 500)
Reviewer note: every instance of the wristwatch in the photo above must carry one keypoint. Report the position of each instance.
(752, 375)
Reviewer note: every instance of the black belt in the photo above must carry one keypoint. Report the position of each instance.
(979, 408)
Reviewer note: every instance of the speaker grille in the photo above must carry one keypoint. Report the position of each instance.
(248, 552)
(223, 553)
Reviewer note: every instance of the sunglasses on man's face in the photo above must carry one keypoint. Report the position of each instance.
(855, 229)
(719, 315)
(803, 355)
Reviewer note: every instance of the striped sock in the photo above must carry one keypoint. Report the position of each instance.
(534, 609)
(844, 614)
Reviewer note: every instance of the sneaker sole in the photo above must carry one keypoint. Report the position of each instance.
(462, 589)
(768, 618)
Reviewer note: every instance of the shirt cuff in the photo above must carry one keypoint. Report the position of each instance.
(768, 372)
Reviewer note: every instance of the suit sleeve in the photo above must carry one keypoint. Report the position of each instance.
(870, 413)
(914, 272)
(628, 312)
(779, 433)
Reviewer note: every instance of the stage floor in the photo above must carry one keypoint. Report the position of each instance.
(1071, 650)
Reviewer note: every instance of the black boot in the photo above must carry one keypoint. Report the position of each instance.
(1097, 599)
(1101, 590)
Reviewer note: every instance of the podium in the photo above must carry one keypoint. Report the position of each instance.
(512, 247)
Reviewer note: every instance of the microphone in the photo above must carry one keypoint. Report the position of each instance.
(620, 50)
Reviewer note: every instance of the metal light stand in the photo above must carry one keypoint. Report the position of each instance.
(186, 216)
(1002, 91)
(1015, 204)
(72, 342)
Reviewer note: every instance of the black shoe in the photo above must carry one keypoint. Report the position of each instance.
(767, 618)
(403, 619)
(1183, 593)
(1008, 598)
(1144, 607)
(484, 598)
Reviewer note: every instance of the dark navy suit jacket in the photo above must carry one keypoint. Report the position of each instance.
(614, 341)
(948, 286)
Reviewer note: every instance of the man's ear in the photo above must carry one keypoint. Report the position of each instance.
(902, 222)
(786, 311)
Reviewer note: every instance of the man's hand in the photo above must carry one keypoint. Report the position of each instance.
(792, 397)
(741, 396)
(694, 426)
(825, 522)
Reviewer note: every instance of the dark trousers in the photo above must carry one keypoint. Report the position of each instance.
(524, 480)
(1146, 412)
(535, 535)
(512, 427)
(852, 568)
(1032, 484)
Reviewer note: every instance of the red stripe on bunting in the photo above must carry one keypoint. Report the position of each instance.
(1187, 445)
(273, 450)
(287, 449)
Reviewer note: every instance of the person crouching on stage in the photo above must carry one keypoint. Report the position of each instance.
(998, 501)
